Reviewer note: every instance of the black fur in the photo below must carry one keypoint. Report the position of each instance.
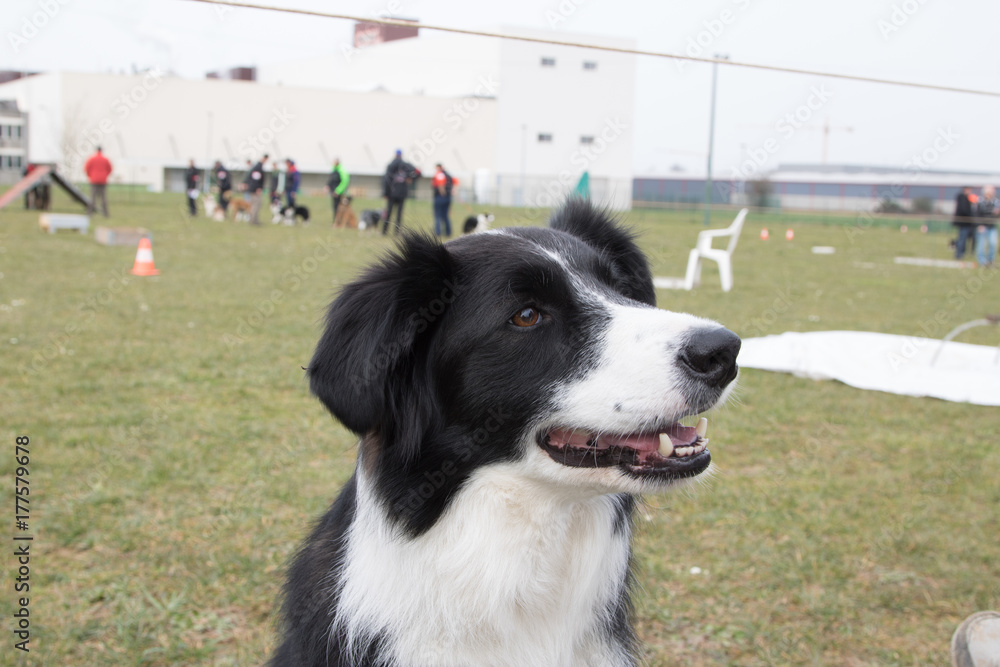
(417, 353)
(297, 212)
(371, 218)
(628, 268)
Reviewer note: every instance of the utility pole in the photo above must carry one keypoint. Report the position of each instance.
(711, 140)
(208, 156)
(524, 164)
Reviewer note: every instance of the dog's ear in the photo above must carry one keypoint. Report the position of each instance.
(598, 229)
(369, 368)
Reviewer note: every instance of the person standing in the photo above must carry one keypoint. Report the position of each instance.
(986, 230)
(98, 168)
(292, 182)
(963, 220)
(244, 184)
(336, 185)
(191, 178)
(395, 187)
(277, 182)
(255, 187)
(224, 181)
(442, 184)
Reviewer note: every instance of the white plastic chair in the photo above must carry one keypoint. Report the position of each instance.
(703, 250)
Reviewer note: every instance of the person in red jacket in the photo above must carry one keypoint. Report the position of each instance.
(98, 168)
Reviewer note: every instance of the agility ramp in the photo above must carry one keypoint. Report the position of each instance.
(36, 175)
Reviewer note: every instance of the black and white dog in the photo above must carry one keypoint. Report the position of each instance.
(514, 392)
(289, 215)
(477, 223)
(369, 219)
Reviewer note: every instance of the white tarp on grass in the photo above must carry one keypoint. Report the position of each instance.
(883, 362)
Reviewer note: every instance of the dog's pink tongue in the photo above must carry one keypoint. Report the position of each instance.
(680, 436)
(566, 437)
(641, 442)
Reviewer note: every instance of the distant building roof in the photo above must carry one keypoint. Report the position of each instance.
(13, 75)
(839, 169)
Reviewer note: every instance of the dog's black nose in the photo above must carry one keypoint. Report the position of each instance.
(710, 355)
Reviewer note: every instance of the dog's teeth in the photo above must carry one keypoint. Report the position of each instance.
(666, 446)
(702, 428)
(684, 451)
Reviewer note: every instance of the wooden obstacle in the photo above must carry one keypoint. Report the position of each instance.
(36, 175)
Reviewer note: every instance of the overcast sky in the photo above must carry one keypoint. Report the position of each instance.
(932, 41)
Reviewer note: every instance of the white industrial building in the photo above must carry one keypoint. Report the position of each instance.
(13, 142)
(150, 125)
(520, 121)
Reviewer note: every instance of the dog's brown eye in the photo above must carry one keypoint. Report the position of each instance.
(528, 317)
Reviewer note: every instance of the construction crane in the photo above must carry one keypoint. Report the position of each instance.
(826, 133)
(826, 128)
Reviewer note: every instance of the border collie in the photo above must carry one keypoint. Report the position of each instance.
(514, 392)
(477, 223)
(289, 215)
(369, 219)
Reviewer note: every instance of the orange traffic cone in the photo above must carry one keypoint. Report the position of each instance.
(763, 234)
(144, 260)
(789, 235)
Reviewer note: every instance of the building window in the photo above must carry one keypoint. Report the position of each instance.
(544, 138)
(827, 189)
(587, 139)
(858, 190)
(548, 62)
(16, 131)
(590, 64)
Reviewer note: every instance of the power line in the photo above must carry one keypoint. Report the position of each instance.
(598, 47)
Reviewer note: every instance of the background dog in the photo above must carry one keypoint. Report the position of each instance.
(370, 219)
(212, 208)
(238, 206)
(346, 217)
(514, 392)
(477, 223)
(289, 215)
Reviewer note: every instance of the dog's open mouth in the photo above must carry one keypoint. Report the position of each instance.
(673, 451)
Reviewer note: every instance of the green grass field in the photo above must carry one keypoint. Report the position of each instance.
(177, 457)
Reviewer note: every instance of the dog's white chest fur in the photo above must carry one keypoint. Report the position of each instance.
(514, 573)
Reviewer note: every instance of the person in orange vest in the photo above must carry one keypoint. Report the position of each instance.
(98, 168)
(442, 185)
